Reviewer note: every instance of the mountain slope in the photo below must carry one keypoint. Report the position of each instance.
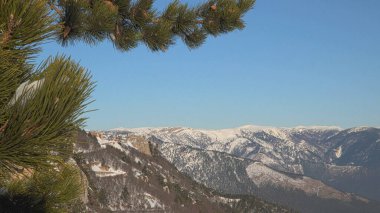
(329, 161)
(133, 176)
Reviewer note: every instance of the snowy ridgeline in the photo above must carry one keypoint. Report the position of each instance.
(123, 178)
(284, 149)
(229, 156)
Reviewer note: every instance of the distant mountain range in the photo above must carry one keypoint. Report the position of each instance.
(134, 177)
(310, 169)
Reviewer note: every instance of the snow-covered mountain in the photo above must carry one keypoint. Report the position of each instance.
(134, 177)
(284, 149)
(324, 162)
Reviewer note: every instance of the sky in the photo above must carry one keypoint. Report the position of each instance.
(296, 63)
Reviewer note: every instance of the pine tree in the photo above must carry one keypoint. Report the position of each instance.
(42, 106)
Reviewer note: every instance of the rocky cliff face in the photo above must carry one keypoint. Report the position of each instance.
(320, 163)
(126, 176)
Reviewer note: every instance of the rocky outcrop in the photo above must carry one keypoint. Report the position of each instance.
(140, 143)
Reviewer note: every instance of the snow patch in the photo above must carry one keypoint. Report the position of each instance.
(358, 129)
(153, 202)
(138, 160)
(338, 152)
(106, 171)
(228, 200)
(137, 173)
(319, 128)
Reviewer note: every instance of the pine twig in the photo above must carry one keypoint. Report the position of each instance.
(8, 34)
(2, 128)
(55, 8)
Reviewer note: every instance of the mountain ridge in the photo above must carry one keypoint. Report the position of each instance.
(328, 156)
(123, 177)
(239, 127)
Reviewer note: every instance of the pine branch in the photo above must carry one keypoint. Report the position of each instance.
(23, 25)
(42, 119)
(91, 21)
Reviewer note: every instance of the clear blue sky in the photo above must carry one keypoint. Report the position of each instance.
(297, 63)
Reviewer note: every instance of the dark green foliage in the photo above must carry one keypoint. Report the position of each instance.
(42, 119)
(127, 22)
(40, 108)
(23, 26)
(55, 190)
